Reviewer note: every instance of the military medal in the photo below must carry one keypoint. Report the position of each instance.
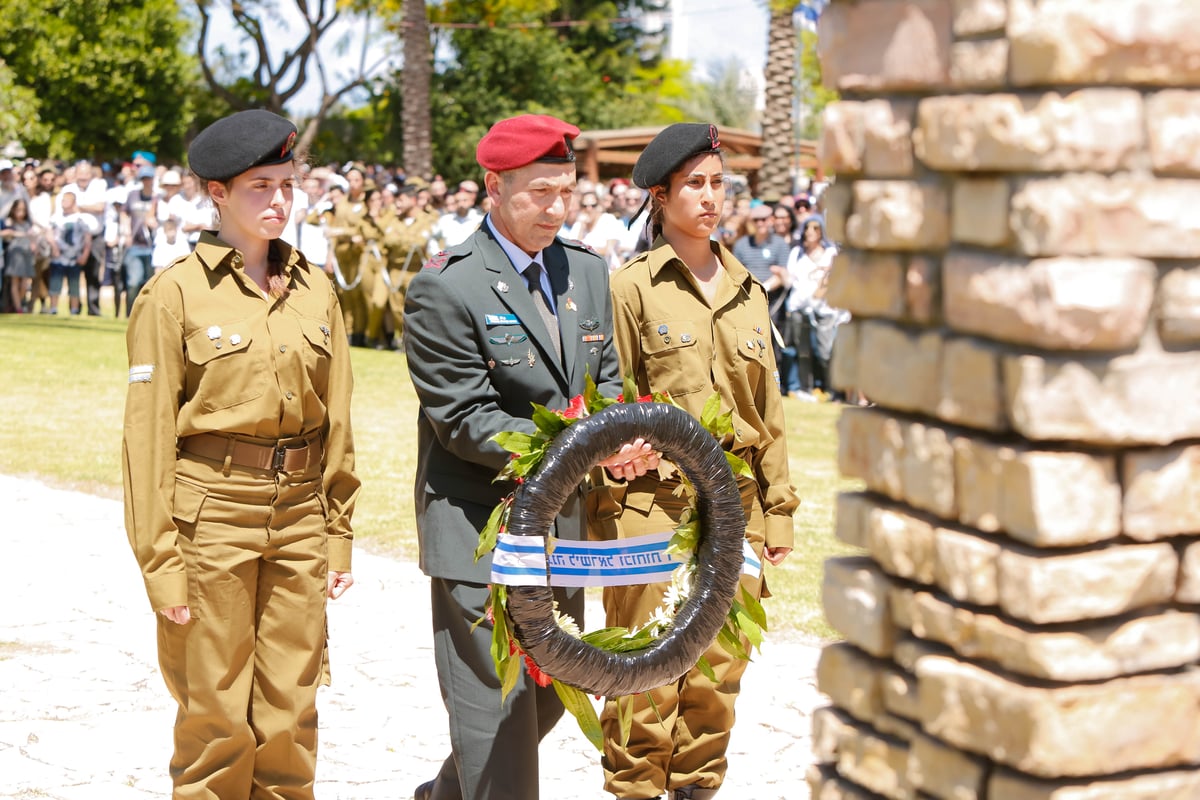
(511, 362)
(532, 358)
(235, 340)
(590, 324)
(214, 332)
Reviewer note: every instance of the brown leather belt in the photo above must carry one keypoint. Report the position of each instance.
(286, 455)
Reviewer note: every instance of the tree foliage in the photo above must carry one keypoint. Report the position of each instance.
(725, 97)
(813, 93)
(19, 117)
(107, 76)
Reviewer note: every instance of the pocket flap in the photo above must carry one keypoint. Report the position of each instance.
(205, 344)
(189, 497)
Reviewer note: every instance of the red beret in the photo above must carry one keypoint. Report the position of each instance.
(512, 143)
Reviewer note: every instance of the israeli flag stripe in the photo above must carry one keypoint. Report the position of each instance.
(522, 561)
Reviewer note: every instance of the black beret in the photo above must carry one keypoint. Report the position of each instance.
(234, 144)
(673, 145)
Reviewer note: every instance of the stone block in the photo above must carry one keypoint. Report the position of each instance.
(1162, 492)
(900, 694)
(844, 363)
(971, 391)
(973, 17)
(1059, 498)
(824, 783)
(830, 726)
(1092, 584)
(850, 525)
(923, 290)
(965, 566)
(979, 65)
(868, 284)
(900, 369)
(1161, 785)
(842, 145)
(899, 215)
(1091, 129)
(876, 762)
(1049, 303)
(869, 444)
(1093, 651)
(910, 650)
(1124, 401)
(1094, 215)
(981, 212)
(838, 201)
(1189, 574)
(879, 45)
(980, 467)
(854, 595)
(927, 469)
(1173, 124)
(944, 772)
(1136, 42)
(887, 138)
(1142, 722)
(852, 680)
(900, 543)
(1179, 307)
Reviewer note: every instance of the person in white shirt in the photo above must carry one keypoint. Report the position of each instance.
(598, 229)
(461, 218)
(169, 244)
(810, 323)
(91, 193)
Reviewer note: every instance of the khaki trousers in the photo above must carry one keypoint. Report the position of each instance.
(245, 670)
(687, 747)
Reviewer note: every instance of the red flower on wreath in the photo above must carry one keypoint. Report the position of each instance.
(576, 410)
(646, 398)
(535, 672)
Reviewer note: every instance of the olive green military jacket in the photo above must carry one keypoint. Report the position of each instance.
(673, 340)
(479, 355)
(209, 353)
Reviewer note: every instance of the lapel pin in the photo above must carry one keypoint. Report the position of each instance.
(214, 332)
(571, 305)
(532, 358)
(235, 340)
(502, 286)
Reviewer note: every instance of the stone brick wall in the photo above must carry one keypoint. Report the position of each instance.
(1018, 200)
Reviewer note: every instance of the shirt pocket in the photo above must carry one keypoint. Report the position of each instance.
(673, 360)
(753, 348)
(222, 368)
(318, 353)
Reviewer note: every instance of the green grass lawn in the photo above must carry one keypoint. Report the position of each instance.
(62, 399)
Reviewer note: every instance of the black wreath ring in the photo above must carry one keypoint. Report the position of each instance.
(576, 450)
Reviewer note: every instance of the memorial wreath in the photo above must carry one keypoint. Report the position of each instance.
(706, 554)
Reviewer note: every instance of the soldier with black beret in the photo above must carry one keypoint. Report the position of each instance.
(510, 317)
(239, 473)
(691, 320)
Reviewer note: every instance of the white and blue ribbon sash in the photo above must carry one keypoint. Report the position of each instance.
(522, 561)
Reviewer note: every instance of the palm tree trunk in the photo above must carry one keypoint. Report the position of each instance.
(418, 73)
(775, 178)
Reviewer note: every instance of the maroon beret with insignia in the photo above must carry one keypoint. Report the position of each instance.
(234, 144)
(673, 145)
(517, 141)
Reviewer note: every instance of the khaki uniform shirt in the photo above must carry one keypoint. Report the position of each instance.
(405, 240)
(673, 340)
(345, 225)
(209, 353)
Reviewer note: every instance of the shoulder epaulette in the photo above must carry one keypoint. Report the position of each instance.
(578, 245)
(438, 261)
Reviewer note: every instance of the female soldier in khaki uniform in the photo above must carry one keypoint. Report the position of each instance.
(689, 320)
(239, 474)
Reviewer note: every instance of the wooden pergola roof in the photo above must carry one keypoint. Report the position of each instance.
(612, 153)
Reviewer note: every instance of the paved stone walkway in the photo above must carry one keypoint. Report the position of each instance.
(84, 714)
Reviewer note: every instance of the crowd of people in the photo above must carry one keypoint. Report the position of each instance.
(80, 226)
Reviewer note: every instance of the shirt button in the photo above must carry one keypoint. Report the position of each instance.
(237, 261)
(289, 395)
(283, 348)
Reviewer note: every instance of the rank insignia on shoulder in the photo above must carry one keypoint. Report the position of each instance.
(141, 373)
(590, 324)
(438, 261)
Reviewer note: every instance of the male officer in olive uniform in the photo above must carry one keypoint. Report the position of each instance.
(510, 317)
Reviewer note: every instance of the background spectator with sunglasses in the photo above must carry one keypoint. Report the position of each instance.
(597, 228)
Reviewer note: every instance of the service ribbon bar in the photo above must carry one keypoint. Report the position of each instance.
(522, 561)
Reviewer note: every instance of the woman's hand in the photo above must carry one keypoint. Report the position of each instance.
(337, 583)
(633, 460)
(180, 615)
(776, 555)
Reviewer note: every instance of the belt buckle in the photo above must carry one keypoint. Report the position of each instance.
(277, 462)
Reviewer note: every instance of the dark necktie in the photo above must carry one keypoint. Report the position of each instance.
(533, 277)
